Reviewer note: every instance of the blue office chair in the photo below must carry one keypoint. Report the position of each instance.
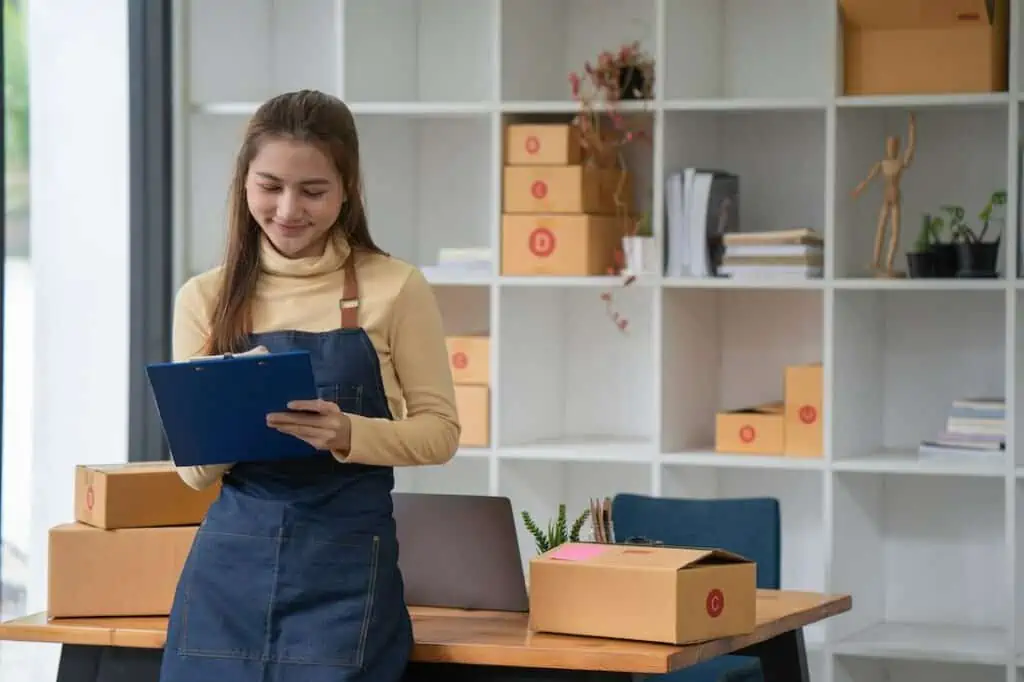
(750, 527)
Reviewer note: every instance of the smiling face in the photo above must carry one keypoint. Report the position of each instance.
(295, 194)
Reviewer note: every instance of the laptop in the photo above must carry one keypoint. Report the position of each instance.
(459, 551)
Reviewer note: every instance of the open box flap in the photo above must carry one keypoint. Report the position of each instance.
(917, 14)
(639, 556)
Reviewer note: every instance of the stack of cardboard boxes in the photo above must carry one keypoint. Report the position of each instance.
(470, 360)
(123, 554)
(559, 205)
(790, 427)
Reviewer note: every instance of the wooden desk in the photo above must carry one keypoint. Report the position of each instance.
(463, 645)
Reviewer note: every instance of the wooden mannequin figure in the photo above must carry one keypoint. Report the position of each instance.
(891, 168)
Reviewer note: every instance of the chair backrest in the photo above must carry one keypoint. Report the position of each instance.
(750, 527)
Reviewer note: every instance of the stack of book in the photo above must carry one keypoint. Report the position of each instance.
(976, 427)
(793, 254)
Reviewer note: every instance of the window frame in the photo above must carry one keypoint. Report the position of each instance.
(151, 196)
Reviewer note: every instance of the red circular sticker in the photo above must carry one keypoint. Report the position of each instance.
(90, 498)
(542, 242)
(808, 414)
(715, 603)
(532, 144)
(539, 189)
(747, 434)
(459, 360)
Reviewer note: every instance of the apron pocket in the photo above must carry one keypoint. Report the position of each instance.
(228, 591)
(326, 588)
(346, 396)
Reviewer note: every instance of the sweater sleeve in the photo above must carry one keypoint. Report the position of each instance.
(429, 433)
(188, 336)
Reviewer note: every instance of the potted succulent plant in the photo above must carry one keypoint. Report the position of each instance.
(975, 257)
(558, 531)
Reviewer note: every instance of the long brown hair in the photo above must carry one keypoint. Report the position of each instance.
(306, 116)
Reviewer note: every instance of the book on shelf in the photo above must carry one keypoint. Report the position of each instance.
(701, 205)
(794, 254)
(975, 427)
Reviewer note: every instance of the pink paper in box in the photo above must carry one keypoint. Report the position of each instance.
(582, 552)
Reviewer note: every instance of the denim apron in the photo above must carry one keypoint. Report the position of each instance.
(293, 575)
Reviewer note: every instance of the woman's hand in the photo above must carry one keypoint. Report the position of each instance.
(321, 423)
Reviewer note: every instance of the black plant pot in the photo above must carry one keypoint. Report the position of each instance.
(921, 264)
(632, 84)
(945, 261)
(977, 259)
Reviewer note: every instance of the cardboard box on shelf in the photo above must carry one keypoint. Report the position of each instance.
(803, 409)
(656, 594)
(473, 403)
(547, 144)
(561, 245)
(469, 357)
(106, 573)
(924, 46)
(757, 430)
(565, 189)
(138, 495)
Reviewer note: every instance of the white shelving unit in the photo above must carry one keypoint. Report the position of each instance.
(931, 552)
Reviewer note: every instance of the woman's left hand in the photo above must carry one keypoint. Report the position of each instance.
(321, 423)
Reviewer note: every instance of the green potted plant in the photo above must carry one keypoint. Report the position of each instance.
(975, 257)
(558, 531)
(921, 258)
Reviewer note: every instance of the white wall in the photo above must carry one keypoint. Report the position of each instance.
(78, 66)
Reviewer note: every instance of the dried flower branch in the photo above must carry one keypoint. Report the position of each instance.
(625, 75)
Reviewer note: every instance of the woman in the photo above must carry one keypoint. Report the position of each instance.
(293, 575)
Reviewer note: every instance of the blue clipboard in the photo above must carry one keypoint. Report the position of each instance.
(214, 410)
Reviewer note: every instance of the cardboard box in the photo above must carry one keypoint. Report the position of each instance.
(561, 245)
(138, 495)
(655, 594)
(924, 46)
(758, 430)
(543, 144)
(473, 403)
(565, 189)
(126, 572)
(549, 144)
(803, 405)
(469, 358)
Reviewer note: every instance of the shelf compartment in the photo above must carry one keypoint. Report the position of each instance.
(727, 350)
(636, 157)
(760, 147)
(543, 41)
(901, 359)
(414, 210)
(867, 669)
(960, 158)
(539, 487)
(213, 142)
(736, 49)
(564, 368)
(800, 496)
(400, 51)
(926, 561)
(463, 475)
(274, 46)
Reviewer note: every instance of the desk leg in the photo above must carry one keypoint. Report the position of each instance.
(783, 658)
(80, 663)
(453, 672)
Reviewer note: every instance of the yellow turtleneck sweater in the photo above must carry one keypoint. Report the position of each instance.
(399, 313)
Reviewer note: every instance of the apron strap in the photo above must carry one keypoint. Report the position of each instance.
(349, 302)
